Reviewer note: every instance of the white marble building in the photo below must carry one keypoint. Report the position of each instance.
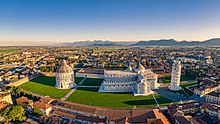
(175, 76)
(64, 76)
(139, 81)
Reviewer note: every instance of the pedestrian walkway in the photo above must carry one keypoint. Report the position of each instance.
(164, 92)
(156, 101)
(72, 90)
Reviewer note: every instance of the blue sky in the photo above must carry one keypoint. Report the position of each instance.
(118, 20)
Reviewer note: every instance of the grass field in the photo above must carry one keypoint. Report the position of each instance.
(162, 101)
(167, 80)
(45, 86)
(91, 96)
(186, 78)
(92, 82)
(181, 92)
(184, 85)
(78, 79)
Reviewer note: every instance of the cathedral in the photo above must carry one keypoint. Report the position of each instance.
(64, 76)
(140, 81)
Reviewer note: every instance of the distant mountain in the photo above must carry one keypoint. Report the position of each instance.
(162, 42)
(172, 42)
(95, 43)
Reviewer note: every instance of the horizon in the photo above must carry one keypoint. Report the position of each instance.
(34, 22)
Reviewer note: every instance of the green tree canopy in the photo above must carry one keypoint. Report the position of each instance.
(15, 113)
(36, 111)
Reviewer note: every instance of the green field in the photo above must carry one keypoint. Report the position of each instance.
(78, 79)
(184, 85)
(180, 92)
(186, 78)
(91, 96)
(6, 51)
(167, 80)
(162, 101)
(92, 82)
(45, 86)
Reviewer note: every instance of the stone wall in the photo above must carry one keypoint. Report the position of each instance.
(23, 80)
(49, 74)
(78, 74)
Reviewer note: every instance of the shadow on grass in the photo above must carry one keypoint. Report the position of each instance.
(163, 101)
(140, 102)
(49, 81)
(89, 89)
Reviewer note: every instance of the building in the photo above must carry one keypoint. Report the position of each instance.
(213, 97)
(159, 118)
(45, 109)
(6, 97)
(25, 103)
(139, 81)
(90, 73)
(64, 76)
(175, 76)
(207, 87)
(211, 109)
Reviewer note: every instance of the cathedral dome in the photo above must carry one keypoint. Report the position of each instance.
(64, 68)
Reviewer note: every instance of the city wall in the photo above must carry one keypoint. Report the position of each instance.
(48, 74)
(23, 80)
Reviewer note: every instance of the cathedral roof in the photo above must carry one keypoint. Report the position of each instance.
(64, 68)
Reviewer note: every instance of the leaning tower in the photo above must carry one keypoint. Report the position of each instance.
(175, 76)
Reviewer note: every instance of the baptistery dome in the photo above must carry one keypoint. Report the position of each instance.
(64, 68)
(64, 76)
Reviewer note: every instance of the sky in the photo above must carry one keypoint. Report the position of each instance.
(53, 21)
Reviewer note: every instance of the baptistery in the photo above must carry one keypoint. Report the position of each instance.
(64, 76)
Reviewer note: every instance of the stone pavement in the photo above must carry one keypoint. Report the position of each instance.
(164, 92)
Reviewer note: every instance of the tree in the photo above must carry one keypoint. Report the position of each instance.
(36, 111)
(15, 113)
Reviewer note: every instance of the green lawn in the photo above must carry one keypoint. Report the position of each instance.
(92, 82)
(78, 79)
(184, 85)
(91, 96)
(189, 92)
(162, 101)
(181, 92)
(167, 80)
(186, 78)
(45, 86)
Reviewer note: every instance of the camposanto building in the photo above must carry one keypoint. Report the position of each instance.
(139, 81)
(64, 76)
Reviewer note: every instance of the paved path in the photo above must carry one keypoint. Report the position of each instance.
(156, 101)
(72, 90)
(164, 92)
(80, 83)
